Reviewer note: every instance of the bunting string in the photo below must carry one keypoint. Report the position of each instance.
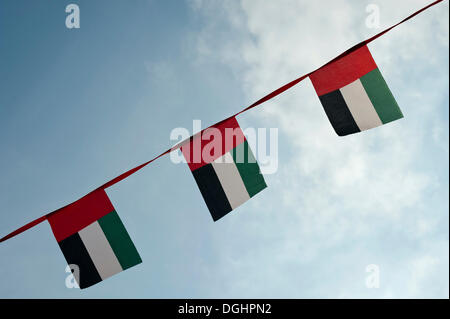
(255, 104)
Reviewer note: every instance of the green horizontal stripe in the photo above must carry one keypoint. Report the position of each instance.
(248, 168)
(119, 240)
(381, 97)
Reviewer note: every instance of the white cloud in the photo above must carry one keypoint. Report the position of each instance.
(333, 192)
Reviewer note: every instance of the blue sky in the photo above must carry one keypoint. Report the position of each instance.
(79, 107)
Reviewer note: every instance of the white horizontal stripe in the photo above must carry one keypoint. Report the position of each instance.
(100, 250)
(360, 106)
(231, 180)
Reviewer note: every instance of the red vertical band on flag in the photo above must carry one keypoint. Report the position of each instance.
(212, 143)
(80, 214)
(343, 71)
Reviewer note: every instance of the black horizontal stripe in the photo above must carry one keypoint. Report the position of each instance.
(76, 253)
(338, 113)
(212, 191)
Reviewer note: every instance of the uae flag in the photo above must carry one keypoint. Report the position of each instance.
(224, 167)
(354, 94)
(93, 238)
